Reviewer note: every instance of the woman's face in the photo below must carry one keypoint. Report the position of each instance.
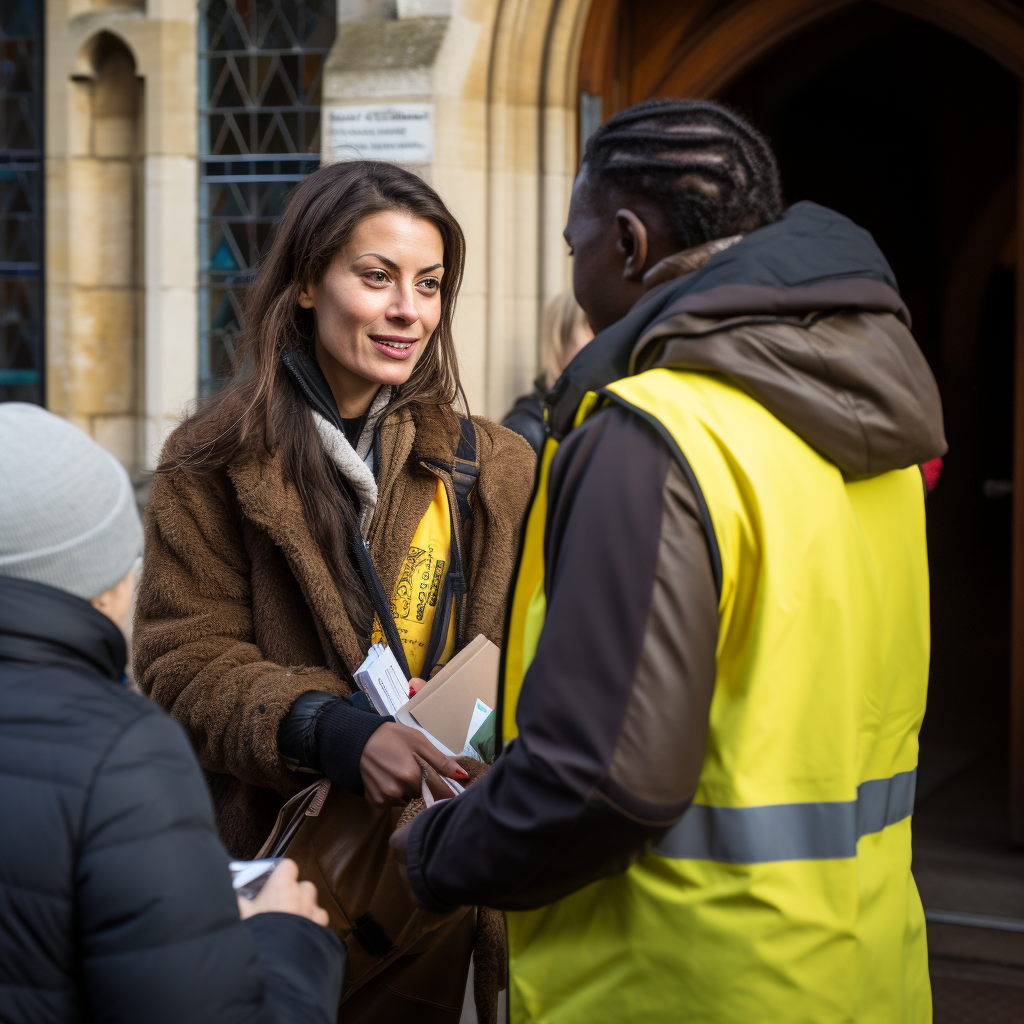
(377, 306)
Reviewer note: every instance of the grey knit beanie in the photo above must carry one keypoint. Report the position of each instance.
(67, 508)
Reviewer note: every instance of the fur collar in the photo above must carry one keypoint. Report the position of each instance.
(351, 462)
(687, 261)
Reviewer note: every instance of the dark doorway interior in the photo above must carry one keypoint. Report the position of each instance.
(911, 132)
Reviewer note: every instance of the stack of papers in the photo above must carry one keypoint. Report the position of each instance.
(249, 876)
(446, 704)
(480, 740)
(380, 678)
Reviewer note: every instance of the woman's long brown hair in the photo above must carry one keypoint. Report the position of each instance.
(260, 411)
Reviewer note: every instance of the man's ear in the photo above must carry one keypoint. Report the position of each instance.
(632, 243)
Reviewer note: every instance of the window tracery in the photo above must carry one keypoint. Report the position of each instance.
(260, 69)
(21, 201)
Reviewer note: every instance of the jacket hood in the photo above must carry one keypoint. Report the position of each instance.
(44, 625)
(805, 316)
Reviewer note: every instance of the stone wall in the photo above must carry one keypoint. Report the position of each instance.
(121, 199)
(121, 219)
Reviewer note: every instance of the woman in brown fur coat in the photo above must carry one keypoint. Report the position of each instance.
(335, 438)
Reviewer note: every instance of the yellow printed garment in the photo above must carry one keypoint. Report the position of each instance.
(419, 585)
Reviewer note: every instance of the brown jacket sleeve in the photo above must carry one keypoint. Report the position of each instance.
(193, 638)
(613, 713)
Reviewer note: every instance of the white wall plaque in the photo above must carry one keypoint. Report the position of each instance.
(398, 132)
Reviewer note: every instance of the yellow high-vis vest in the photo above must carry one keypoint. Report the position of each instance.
(784, 894)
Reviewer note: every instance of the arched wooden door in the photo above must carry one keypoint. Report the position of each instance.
(635, 49)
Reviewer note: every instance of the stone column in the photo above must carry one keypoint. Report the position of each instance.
(171, 218)
(105, 311)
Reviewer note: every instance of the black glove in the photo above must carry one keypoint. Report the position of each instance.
(325, 733)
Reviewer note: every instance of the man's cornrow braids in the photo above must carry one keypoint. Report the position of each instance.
(709, 172)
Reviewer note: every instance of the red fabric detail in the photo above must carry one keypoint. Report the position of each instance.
(932, 470)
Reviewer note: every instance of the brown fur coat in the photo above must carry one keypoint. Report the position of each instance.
(238, 614)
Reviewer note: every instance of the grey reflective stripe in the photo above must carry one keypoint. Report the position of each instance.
(811, 831)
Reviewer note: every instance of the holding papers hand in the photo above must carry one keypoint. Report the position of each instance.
(443, 710)
(391, 765)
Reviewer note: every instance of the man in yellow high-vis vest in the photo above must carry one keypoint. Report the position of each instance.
(716, 658)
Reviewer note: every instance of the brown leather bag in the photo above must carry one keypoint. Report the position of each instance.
(404, 964)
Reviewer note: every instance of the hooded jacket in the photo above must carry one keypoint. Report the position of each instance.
(115, 898)
(804, 315)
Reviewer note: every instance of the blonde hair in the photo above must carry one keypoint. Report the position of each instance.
(561, 320)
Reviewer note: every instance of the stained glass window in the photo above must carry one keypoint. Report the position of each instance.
(260, 67)
(21, 201)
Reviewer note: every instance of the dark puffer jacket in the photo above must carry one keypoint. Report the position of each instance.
(115, 897)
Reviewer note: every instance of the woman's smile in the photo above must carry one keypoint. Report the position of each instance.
(394, 345)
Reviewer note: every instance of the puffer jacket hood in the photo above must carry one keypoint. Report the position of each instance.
(805, 316)
(39, 623)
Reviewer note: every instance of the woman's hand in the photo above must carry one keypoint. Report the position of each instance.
(283, 893)
(391, 774)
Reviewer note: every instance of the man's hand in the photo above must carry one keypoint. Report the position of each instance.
(283, 893)
(391, 774)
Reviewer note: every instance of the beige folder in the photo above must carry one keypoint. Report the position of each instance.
(444, 707)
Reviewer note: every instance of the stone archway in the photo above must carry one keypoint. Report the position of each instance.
(531, 163)
(101, 385)
(704, 47)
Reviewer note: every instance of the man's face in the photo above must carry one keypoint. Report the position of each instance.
(602, 291)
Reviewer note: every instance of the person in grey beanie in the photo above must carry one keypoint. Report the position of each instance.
(67, 508)
(115, 894)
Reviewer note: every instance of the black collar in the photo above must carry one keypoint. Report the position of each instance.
(44, 625)
(307, 376)
(311, 382)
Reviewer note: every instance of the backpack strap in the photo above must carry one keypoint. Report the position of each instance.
(466, 468)
(462, 475)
